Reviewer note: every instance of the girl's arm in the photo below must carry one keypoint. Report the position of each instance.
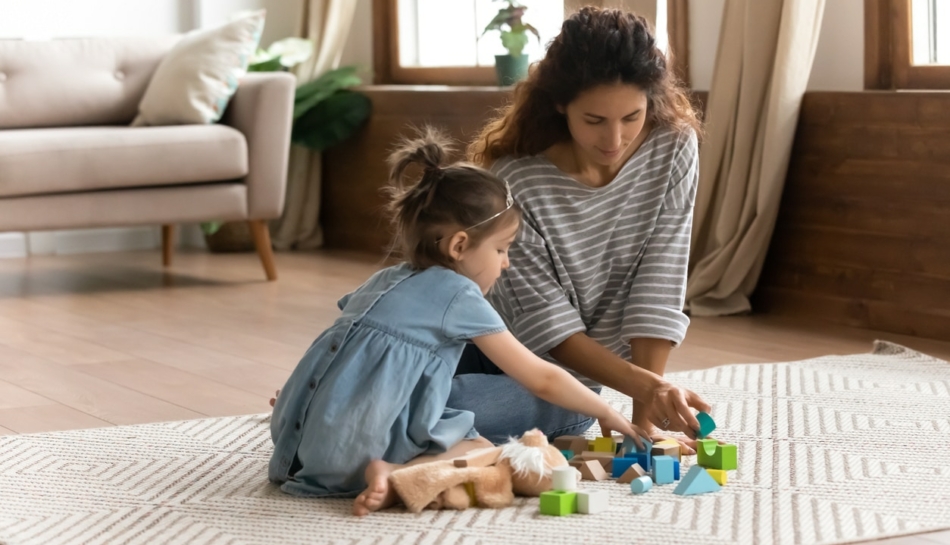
(551, 383)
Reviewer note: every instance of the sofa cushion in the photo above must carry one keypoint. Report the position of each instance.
(69, 82)
(65, 160)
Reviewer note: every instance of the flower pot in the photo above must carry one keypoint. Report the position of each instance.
(233, 236)
(510, 69)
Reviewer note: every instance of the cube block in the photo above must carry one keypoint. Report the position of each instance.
(722, 457)
(663, 469)
(605, 444)
(620, 466)
(642, 458)
(676, 470)
(591, 502)
(558, 504)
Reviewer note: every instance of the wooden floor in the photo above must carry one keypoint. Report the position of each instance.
(109, 339)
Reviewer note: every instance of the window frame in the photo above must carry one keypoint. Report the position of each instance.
(888, 62)
(388, 71)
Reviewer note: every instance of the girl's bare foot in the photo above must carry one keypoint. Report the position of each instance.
(378, 494)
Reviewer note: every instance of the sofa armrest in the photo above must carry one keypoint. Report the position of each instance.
(262, 110)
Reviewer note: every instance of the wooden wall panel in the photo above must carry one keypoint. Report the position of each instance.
(863, 234)
(355, 172)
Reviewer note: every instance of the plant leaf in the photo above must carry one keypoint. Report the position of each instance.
(332, 120)
(271, 65)
(312, 93)
(514, 42)
(211, 227)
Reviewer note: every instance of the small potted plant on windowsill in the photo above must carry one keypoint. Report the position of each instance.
(513, 67)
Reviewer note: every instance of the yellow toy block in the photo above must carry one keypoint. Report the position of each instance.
(605, 444)
(718, 475)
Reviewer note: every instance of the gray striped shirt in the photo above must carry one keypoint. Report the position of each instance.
(609, 261)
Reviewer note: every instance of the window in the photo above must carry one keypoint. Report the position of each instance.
(907, 44)
(441, 41)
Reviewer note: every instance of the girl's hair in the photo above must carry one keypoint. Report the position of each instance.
(446, 199)
(595, 47)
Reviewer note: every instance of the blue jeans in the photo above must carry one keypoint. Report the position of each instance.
(504, 408)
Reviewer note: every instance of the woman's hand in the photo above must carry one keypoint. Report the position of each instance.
(616, 422)
(670, 409)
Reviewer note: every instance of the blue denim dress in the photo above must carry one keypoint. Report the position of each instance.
(375, 385)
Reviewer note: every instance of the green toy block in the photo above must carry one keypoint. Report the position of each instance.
(568, 454)
(711, 454)
(558, 504)
(706, 425)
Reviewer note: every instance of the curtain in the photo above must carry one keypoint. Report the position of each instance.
(327, 23)
(765, 55)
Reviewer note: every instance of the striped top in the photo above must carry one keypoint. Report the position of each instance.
(608, 261)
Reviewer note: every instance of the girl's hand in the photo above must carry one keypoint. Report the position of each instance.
(616, 422)
(670, 409)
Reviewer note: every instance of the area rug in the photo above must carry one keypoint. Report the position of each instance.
(833, 449)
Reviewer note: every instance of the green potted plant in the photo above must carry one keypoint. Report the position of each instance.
(326, 112)
(513, 67)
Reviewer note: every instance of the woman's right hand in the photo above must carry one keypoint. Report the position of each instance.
(670, 408)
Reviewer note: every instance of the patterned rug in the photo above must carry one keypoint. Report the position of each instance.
(833, 449)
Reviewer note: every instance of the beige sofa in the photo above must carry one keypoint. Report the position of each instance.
(68, 158)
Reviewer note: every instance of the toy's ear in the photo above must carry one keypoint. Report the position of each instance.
(534, 438)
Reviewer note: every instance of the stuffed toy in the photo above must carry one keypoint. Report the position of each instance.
(488, 477)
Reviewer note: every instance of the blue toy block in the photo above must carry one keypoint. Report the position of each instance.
(642, 485)
(642, 458)
(620, 466)
(676, 470)
(568, 454)
(696, 481)
(706, 425)
(663, 469)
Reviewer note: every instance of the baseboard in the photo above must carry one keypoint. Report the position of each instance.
(12, 245)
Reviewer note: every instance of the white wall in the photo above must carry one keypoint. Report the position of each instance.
(45, 19)
(839, 59)
(359, 44)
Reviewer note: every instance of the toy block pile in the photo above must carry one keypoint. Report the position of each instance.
(640, 468)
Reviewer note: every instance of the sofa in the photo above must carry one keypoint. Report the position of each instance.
(69, 159)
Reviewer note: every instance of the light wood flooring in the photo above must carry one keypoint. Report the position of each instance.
(110, 339)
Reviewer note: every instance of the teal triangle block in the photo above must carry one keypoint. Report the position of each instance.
(696, 481)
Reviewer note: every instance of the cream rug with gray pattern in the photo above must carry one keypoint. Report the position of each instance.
(832, 449)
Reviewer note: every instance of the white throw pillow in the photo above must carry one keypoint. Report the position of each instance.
(196, 79)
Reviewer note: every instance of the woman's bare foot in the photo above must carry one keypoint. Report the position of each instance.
(378, 494)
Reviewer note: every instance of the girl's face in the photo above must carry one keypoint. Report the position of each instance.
(484, 262)
(605, 121)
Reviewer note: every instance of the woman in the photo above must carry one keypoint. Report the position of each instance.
(599, 146)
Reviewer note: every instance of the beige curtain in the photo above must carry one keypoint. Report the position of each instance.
(765, 55)
(327, 23)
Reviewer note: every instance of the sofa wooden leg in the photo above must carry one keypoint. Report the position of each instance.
(264, 250)
(168, 244)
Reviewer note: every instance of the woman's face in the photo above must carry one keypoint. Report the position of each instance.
(606, 120)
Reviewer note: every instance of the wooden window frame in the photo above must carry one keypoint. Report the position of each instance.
(387, 70)
(887, 50)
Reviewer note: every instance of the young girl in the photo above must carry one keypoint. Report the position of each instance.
(370, 393)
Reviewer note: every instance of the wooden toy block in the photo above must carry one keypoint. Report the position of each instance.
(591, 502)
(696, 481)
(565, 442)
(676, 470)
(605, 444)
(673, 451)
(641, 485)
(482, 457)
(591, 470)
(642, 458)
(719, 475)
(558, 504)
(568, 454)
(663, 469)
(633, 472)
(564, 478)
(706, 425)
(573, 443)
(620, 466)
(606, 459)
(712, 455)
